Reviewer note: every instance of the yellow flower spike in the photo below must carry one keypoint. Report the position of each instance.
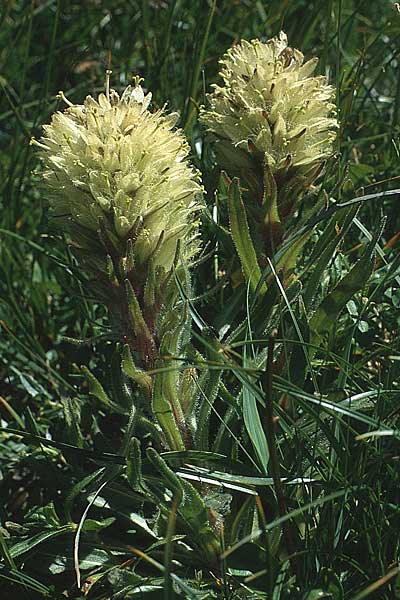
(113, 158)
(120, 185)
(273, 123)
(270, 98)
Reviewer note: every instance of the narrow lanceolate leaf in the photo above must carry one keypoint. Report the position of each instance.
(27, 545)
(191, 507)
(167, 474)
(270, 197)
(97, 390)
(241, 237)
(138, 322)
(254, 428)
(77, 489)
(163, 401)
(325, 249)
(323, 321)
(5, 552)
(134, 466)
(150, 287)
(253, 423)
(139, 376)
(209, 393)
(288, 261)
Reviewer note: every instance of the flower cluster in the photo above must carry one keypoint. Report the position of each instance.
(272, 107)
(111, 160)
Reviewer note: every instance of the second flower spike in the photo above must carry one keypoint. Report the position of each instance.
(271, 114)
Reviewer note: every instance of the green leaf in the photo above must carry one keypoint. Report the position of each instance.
(190, 455)
(169, 477)
(141, 522)
(25, 580)
(77, 489)
(222, 477)
(287, 262)
(146, 592)
(5, 550)
(191, 507)
(139, 324)
(72, 415)
(139, 376)
(97, 525)
(270, 197)
(134, 466)
(303, 398)
(324, 249)
(164, 401)
(209, 391)
(254, 427)
(97, 390)
(325, 318)
(241, 237)
(330, 582)
(93, 558)
(27, 545)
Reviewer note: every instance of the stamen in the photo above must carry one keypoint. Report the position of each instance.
(137, 80)
(62, 97)
(108, 73)
(34, 142)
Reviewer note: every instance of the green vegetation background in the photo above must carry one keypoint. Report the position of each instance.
(47, 46)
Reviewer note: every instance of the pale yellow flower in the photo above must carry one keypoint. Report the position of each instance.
(271, 108)
(112, 160)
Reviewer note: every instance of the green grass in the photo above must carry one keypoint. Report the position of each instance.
(60, 446)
